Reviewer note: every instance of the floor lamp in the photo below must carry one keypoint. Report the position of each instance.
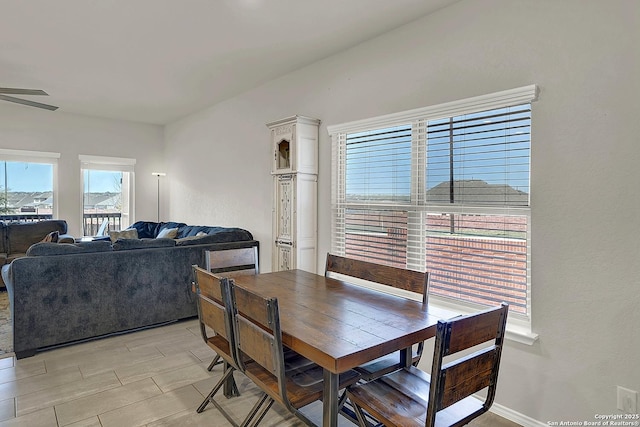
(158, 175)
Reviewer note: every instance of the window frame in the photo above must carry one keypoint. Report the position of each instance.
(114, 164)
(43, 157)
(519, 324)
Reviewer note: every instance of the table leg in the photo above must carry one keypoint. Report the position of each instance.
(405, 357)
(330, 399)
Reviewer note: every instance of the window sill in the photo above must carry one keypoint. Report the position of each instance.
(520, 335)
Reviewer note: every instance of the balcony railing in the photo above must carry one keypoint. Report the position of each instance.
(25, 217)
(91, 223)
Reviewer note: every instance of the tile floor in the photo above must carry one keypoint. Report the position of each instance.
(156, 377)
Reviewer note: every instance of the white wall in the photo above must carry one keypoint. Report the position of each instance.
(25, 128)
(585, 174)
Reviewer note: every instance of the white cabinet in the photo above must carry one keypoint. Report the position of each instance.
(294, 167)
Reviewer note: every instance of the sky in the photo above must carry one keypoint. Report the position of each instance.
(35, 177)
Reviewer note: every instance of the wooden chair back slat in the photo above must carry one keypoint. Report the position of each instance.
(213, 316)
(466, 378)
(232, 262)
(256, 343)
(473, 330)
(208, 284)
(399, 278)
(253, 306)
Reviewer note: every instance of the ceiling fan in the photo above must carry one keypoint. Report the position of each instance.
(14, 91)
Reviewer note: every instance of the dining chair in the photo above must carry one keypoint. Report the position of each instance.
(214, 312)
(284, 377)
(233, 262)
(409, 397)
(230, 263)
(408, 280)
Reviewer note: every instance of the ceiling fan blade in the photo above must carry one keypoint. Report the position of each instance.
(29, 103)
(15, 91)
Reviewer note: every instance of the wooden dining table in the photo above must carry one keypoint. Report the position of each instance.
(340, 325)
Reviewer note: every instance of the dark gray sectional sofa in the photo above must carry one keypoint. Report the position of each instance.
(65, 293)
(16, 238)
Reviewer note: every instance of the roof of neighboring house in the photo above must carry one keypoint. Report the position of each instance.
(477, 191)
(18, 199)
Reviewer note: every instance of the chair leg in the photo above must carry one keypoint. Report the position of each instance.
(346, 410)
(216, 360)
(230, 388)
(219, 384)
(258, 410)
(362, 420)
(262, 413)
(210, 399)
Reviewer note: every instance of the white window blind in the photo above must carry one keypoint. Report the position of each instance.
(480, 158)
(442, 188)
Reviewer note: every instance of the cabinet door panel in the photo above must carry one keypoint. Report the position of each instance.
(284, 257)
(285, 199)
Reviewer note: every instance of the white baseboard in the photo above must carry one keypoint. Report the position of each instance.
(516, 417)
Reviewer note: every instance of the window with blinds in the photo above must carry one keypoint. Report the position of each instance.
(444, 189)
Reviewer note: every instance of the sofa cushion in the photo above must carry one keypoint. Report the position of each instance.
(196, 230)
(124, 244)
(129, 233)
(145, 229)
(193, 230)
(47, 249)
(221, 237)
(20, 236)
(150, 229)
(191, 240)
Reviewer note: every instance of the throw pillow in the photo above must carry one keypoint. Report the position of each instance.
(168, 233)
(129, 233)
(51, 237)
